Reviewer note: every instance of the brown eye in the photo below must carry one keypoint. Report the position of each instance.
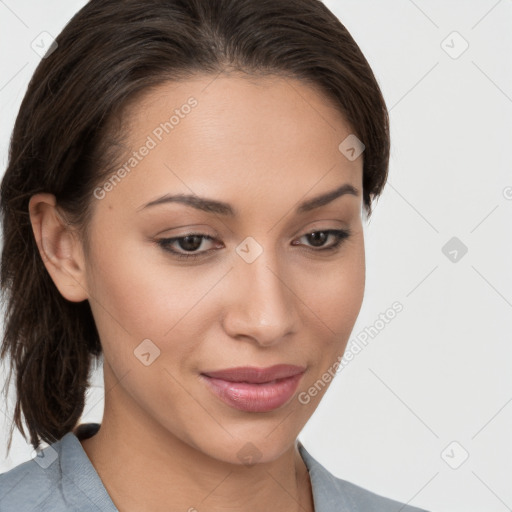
(318, 238)
(186, 246)
(190, 242)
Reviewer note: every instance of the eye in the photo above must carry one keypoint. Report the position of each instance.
(189, 243)
(318, 238)
(187, 247)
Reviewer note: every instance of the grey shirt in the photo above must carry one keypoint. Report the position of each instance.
(62, 479)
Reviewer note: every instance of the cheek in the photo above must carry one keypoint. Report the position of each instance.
(138, 296)
(335, 294)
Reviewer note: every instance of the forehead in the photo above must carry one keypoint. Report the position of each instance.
(230, 134)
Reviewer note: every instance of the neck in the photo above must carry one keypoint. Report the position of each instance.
(161, 472)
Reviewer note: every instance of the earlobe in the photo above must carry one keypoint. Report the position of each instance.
(59, 247)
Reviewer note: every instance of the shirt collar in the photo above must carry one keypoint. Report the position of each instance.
(79, 472)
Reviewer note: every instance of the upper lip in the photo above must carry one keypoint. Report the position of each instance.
(254, 375)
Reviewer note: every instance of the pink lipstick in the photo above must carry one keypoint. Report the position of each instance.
(253, 389)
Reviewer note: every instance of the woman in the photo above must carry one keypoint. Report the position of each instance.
(184, 197)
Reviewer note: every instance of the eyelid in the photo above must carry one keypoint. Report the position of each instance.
(340, 234)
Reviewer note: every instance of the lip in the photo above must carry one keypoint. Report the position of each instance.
(254, 389)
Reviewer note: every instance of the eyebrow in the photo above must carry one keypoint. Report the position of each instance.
(221, 208)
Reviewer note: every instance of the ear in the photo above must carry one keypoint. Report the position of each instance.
(59, 246)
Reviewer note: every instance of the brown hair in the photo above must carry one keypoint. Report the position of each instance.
(63, 143)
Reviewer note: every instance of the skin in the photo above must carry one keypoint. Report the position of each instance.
(262, 145)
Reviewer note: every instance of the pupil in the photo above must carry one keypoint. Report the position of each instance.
(317, 236)
(190, 243)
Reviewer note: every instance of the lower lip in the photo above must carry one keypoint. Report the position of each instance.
(254, 397)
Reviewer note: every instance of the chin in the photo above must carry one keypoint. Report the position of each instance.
(257, 446)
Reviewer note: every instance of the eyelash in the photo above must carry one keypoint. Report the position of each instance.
(340, 235)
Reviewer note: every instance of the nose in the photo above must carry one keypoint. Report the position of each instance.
(262, 305)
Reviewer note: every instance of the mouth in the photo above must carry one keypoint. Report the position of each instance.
(253, 389)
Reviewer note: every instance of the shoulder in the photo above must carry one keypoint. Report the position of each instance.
(33, 483)
(60, 479)
(331, 493)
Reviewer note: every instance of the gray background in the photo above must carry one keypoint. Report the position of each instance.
(432, 386)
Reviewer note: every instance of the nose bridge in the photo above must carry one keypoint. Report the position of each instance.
(262, 307)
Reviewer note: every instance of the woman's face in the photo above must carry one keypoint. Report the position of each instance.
(259, 291)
